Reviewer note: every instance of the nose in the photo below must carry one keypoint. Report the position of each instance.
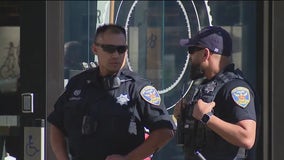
(115, 54)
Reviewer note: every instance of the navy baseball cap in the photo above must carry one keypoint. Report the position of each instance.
(215, 38)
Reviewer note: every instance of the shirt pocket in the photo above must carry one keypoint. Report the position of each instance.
(73, 115)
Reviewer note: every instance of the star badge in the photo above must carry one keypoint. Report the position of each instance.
(122, 99)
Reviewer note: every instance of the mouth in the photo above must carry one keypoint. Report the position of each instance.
(115, 63)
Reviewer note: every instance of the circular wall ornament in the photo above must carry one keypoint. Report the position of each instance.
(165, 21)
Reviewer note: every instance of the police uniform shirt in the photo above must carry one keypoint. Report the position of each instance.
(120, 114)
(235, 101)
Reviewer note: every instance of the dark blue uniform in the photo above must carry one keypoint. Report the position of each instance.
(235, 101)
(120, 109)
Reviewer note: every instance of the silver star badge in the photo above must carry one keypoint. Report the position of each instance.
(122, 99)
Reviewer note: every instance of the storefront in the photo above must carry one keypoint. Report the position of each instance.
(154, 30)
(35, 33)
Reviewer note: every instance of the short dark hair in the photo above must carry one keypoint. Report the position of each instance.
(113, 28)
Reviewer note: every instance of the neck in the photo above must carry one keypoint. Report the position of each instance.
(217, 66)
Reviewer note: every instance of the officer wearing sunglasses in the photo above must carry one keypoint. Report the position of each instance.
(104, 111)
(217, 119)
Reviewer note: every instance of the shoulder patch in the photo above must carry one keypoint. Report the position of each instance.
(241, 96)
(151, 95)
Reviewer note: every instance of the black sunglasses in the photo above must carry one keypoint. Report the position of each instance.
(112, 48)
(193, 49)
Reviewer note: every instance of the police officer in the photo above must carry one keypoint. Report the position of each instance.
(218, 117)
(104, 110)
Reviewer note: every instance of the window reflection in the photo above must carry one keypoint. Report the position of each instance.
(154, 29)
(73, 59)
(79, 28)
(9, 58)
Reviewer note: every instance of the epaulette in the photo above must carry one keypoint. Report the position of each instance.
(133, 75)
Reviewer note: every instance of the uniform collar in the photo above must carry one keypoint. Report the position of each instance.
(228, 68)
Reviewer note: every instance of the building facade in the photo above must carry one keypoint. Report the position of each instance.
(33, 62)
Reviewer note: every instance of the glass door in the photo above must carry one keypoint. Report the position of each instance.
(22, 79)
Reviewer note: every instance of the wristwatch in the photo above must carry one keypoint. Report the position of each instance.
(205, 118)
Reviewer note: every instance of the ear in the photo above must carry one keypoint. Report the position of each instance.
(94, 49)
(206, 54)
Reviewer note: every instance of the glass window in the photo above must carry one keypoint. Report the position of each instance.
(79, 28)
(154, 29)
(9, 58)
(9, 48)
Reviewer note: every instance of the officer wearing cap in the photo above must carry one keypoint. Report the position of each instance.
(218, 117)
(104, 110)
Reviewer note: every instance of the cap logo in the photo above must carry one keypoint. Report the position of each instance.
(216, 50)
